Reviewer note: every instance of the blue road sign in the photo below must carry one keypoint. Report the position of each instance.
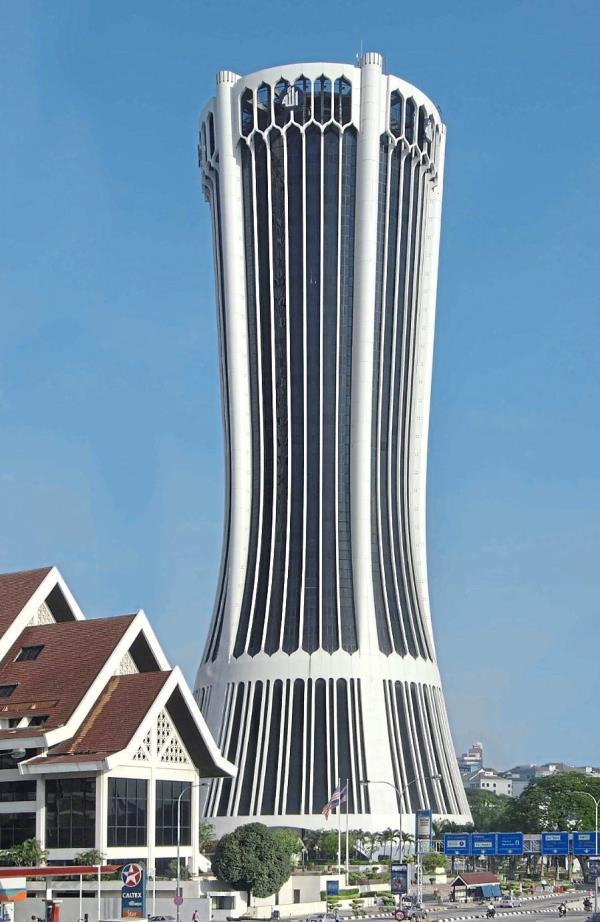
(555, 843)
(483, 843)
(457, 843)
(584, 843)
(333, 887)
(510, 843)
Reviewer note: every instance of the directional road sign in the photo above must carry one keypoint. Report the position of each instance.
(483, 843)
(584, 843)
(457, 843)
(555, 843)
(510, 843)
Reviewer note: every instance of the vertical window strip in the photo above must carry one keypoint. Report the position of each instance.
(242, 744)
(310, 640)
(407, 748)
(440, 785)
(261, 754)
(422, 628)
(381, 616)
(349, 640)
(409, 206)
(361, 736)
(393, 739)
(248, 772)
(389, 524)
(426, 764)
(291, 633)
(320, 759)
(232, 745)
(309, 748)
(344, 750)
(329, 602)
(403, 767)
(457, 785)
(294, 789)
(357, 772)
(408, 360)
(253, 376)
(285, 747)
(279, 338)
(271, 765)
(264, 288)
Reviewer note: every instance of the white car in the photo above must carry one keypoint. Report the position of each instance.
(509, 902)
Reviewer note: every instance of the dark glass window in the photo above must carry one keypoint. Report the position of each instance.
(342, 96)
(39, 720)
(7, 690)
(167, 794)
(281, 102)
(295, 212)
(310, 640)
(247, 112)
(16, 828)
(17, 790)
(8, 762)
(249, 773)
(396, 113)
(409, 130)
(302, 108)
(127, 811)
(322, 93)
(71, 813)
(263, 106)
(268, 798)
(29, 653)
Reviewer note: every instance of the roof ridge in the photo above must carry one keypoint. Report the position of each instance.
(95, 714)
(29, 570)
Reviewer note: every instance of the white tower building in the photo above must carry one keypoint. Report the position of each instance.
(325, 184)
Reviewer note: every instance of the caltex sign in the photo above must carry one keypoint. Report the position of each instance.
(133, 892)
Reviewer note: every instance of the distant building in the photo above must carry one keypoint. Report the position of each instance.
(486, 779)
(472, 760)
(522, 775)
(98, 735)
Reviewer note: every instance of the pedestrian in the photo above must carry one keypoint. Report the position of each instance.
(195, 916)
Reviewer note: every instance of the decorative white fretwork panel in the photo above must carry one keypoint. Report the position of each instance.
(42, 616)
(144, 753)
(127, 666)
(169, 747)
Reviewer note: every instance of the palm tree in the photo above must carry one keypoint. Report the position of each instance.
(407, 840)
(387, 836)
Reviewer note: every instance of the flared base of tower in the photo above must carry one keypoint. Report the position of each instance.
(355, 725)
(371, 823)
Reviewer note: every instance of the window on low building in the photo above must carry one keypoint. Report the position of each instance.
(167, 793)
(7, 690)
(127, 812)
(71, 813)
(29, 653)
(223, 902)
(16, 828)
(17, 790)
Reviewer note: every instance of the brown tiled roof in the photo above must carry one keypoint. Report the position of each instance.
(112, 722)
(477, 877)
(15, 591)
(73, 654)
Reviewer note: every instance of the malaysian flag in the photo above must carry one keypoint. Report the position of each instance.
(339, 796)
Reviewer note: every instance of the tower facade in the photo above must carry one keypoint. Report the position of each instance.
(325, 186)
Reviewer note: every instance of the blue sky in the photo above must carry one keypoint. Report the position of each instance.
(112, 451)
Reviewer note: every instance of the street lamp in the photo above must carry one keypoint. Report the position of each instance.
(596, 805)
(400, 792)
(190, 787)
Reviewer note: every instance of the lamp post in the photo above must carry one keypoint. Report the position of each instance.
(596, 805)
(400, 792)
(189, 788)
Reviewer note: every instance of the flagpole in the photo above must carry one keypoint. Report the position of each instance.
(347, 846)
(339, 813)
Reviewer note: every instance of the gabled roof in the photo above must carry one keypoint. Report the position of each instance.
(15, 591)
(54, 684)
(472, 878)
(113, 721)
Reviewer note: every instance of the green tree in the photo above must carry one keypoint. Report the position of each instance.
(554, 803)
(206, 837)
(290, 840)
(91, 857)
(184, 871)
(433, 860)
(252, 859)
(328, 844)
(489, 810)
(28, 854)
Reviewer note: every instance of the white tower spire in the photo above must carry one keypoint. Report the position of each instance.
(325, 184)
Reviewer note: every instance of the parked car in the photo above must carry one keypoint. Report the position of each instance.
(508, 901)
